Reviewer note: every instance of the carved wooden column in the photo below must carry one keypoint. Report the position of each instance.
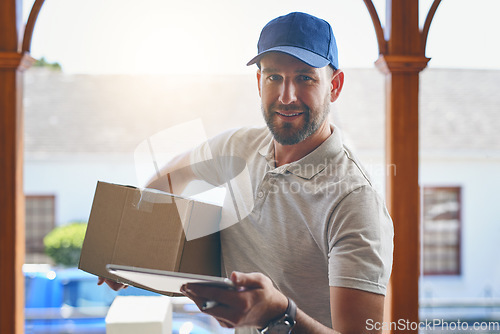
(14, 58)
(402, 57)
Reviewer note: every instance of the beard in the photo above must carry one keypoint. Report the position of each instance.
(287, 133)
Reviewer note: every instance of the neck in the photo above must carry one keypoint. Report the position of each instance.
(284, 154)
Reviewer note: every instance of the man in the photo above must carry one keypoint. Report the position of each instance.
(315, 253)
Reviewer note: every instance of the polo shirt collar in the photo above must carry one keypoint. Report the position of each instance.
(311, 164)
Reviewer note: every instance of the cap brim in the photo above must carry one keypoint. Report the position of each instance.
(306, 56)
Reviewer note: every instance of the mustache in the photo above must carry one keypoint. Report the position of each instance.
(285, 108)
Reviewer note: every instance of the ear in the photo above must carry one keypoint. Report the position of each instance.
(336, 85)
(259, 74)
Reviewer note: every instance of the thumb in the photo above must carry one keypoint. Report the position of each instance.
(250, 281)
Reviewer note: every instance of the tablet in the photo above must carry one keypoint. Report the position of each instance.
(165, 281)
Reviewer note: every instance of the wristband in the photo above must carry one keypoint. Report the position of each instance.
(285, 323)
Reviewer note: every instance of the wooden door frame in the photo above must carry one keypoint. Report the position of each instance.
(401, 59)
(15, 41)
(402, 56)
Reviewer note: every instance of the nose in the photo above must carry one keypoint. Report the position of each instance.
(288, 92)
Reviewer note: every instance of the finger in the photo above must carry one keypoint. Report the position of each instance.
(115, 285)
(209, 292)
(226, 315)
(197, 300)
(222, 312)
(112, 284)
(202, 291)
(224, 323)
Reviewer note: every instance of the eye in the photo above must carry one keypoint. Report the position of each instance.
(274, 77)
(305, 78)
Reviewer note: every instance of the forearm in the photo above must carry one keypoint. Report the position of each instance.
(175, 176)
(305, 324)
(350, 310)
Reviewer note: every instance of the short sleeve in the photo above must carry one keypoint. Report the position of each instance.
(209, 161)
(360, 240)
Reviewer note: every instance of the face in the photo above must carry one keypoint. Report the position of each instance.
(295, 96)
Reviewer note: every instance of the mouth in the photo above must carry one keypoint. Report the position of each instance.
(289, 115)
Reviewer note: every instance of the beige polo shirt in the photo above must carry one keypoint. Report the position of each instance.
(315, 223)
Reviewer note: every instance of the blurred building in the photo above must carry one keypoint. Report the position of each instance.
(82, 128)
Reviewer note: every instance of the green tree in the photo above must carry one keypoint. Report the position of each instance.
(42, 62)
(64, 243)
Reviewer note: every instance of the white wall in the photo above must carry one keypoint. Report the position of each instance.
(479, 177)
(73, 181)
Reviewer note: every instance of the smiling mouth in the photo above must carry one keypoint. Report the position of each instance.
(289, 115)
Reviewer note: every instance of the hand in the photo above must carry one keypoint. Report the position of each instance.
(112, 284)
(254, 303)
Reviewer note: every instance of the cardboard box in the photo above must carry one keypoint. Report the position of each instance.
(150, 229)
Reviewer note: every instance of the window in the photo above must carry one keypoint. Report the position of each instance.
(40, 220)
(441, 230)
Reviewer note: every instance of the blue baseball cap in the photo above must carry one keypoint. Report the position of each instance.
(302, 36)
